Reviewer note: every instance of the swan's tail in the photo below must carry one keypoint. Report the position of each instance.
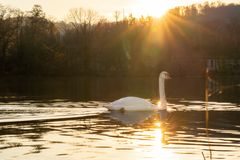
(108, 106)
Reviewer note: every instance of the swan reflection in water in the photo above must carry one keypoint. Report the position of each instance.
(135, 118)
(148, 130)
(155, 121)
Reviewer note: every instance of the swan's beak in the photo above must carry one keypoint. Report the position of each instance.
(168, 76)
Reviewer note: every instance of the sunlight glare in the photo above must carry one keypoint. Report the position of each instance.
(159, 103)
(158, 124)
(158, 151)
(155, 8)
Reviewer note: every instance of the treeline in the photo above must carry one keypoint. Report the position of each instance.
(88, 44)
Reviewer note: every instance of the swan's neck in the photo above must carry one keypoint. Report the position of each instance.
(162, 93)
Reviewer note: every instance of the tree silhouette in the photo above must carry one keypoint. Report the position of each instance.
(88, 44)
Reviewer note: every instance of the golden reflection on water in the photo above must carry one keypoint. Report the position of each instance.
(154, 140)
(157, 150)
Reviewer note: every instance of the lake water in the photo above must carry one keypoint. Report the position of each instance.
(64, 118)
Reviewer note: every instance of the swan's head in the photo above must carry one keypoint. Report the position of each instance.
(164, 75)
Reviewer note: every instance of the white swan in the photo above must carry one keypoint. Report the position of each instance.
(140, 104)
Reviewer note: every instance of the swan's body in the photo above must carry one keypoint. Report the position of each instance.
(140, 104)
(132, 104)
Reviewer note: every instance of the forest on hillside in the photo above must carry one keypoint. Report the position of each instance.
(89, 44)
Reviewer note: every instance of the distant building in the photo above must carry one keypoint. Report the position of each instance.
(198, 66)
(224, 65)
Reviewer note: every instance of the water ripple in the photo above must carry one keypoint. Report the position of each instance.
(88, 131)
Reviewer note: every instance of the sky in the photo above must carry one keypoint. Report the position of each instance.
(60, 8)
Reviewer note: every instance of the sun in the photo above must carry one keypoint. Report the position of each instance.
(154, 8)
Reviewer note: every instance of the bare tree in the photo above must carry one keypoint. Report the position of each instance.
(83, 22)
(116, 16)
(80, 17)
